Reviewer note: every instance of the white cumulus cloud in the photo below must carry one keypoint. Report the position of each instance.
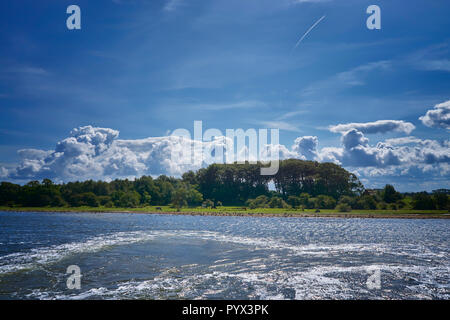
(306, 147)
(404, 153)
(380, 126)
(98, 153)
(438, 117)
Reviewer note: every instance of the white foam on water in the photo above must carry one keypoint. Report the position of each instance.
(36, 257)
(40, 256)
(324, 250)
(252, 276)
(45, 255)
(323, 282)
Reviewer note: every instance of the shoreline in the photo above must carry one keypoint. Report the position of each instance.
(287, 214)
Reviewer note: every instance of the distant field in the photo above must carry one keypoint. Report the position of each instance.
(241, 211)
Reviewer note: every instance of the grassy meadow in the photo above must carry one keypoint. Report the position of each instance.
(244, 211)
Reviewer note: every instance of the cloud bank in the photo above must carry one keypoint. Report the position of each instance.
(98, 153)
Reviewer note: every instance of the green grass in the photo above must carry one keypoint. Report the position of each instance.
(233, 210)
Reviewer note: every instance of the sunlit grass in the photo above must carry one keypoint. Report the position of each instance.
(235, 210)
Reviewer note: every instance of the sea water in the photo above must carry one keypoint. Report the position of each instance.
(157, 256)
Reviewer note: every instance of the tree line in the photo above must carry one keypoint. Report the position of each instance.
(298, 184)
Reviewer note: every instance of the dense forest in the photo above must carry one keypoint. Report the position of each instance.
(298, 184)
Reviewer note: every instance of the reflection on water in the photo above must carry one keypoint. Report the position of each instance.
(131, 256)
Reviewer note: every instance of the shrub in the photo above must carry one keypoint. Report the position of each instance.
(84, 199)
(382, 206)
(294, 201)
(109, 204)
(311, 203)
(392, 206)
(57, 201)
(259, 202)
(351, 202)
(304, 198)
(325, 202)
(366, 203)
(251, 203)
(343, 207)
(401, 204)
(208, 203)
(277, 202)
(103, 200)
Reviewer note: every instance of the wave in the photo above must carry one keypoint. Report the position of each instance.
(46, 255)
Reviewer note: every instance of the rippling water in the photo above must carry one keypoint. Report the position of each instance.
(133, 256)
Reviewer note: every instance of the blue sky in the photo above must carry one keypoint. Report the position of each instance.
(145, 68)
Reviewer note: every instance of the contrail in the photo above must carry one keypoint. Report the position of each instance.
(308, 31)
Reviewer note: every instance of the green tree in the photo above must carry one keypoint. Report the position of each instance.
(146, 198)
(194, 197)
(325, 202)
(304, 199)
(350, 201)
(343, 207)
(294, 201)
(89, 199)
(179, 198)
(128, 199)
(190, 178)
(366, 202)
(277, 202)
(9, 194)
(261, 201)
(423, 201)
(389, 194)
(441, 200)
